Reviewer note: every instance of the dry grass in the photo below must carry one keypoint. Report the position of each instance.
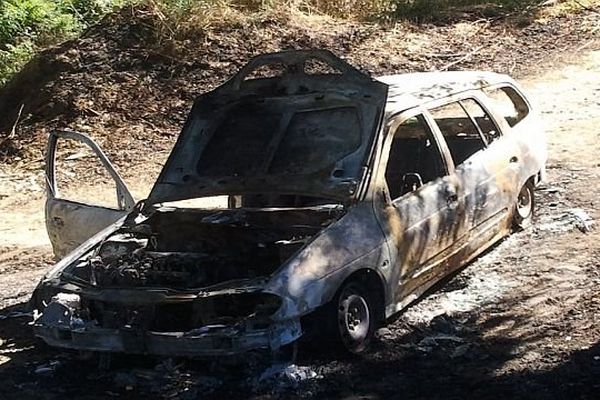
(560, 8)
(199, 17)
(184, 18)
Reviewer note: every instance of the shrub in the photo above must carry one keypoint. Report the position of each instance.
(28, 25)
(13, 57)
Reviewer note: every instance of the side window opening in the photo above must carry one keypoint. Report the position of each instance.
(81, 177)
(509, 104)
(414, 158)
(461, 134)
(486, 125)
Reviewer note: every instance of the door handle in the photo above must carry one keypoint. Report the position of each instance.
(514, 159)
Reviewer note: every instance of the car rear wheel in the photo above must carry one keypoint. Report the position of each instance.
(355, 317)
(523, 213)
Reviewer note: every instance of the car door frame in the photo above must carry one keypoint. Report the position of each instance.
(495, 149)
(410, 284)
(497, 225)
(55, 204)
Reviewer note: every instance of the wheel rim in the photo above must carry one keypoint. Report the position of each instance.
(354, 319)
(524, 204)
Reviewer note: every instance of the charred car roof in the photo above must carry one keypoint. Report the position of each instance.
(411, 90)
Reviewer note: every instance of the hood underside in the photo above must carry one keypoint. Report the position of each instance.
(306, 126)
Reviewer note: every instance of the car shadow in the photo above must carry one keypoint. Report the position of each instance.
(456, 358)
(451, 357)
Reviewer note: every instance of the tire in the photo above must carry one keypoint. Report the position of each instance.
(355, 317)
(524, 207)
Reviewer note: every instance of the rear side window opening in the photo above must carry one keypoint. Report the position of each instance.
(482, 119)
(467, 128)
(509, 103)
(459, 131)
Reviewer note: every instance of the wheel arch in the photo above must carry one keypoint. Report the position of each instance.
(318, 324)
(375, 285)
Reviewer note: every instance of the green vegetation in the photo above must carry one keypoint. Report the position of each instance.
(28, 25)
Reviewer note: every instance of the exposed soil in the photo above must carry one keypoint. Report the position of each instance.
(522, 321)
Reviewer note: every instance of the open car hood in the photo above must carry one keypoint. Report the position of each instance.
(305, 126)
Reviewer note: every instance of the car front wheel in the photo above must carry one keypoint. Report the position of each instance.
(355, 317)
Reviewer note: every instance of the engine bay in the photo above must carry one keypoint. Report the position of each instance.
(191, 248)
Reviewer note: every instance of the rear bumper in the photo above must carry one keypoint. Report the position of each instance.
(212, 342)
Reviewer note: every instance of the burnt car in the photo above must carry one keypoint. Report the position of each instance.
(346, 198)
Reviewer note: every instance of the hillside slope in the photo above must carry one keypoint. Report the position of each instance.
(130, 88)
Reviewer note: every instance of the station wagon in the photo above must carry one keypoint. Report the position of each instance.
(344, 199)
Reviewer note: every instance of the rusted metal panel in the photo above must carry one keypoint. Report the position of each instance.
(69, 224)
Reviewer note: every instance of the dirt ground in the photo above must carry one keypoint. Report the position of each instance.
(522, 321)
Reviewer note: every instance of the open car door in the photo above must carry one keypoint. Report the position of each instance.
(75, 165)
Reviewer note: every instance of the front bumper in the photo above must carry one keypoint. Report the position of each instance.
(60, 326)
(223, 341)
